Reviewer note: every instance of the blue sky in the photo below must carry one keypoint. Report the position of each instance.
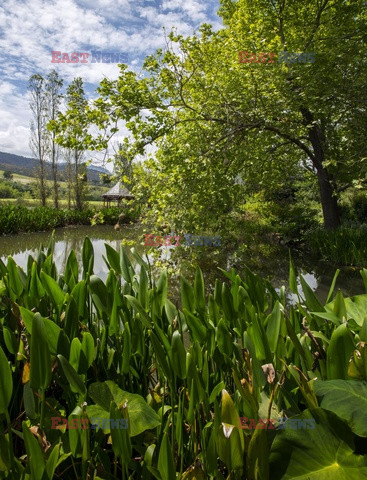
(31, 29)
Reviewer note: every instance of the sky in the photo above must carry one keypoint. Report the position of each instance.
(31, 29)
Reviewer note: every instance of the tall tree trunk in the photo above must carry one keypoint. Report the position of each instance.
(329, 202)
(70, 183)
(54, 174)
(42, 179)
(78, 200)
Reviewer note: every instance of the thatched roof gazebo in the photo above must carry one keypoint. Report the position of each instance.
(116, 193)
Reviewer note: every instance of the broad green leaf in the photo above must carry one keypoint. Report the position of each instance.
(166, 465)
(339, 306)
(199, 289)
(223, 338)
(79, 294)
(346, 398)
(292, 276)
(141, 416)
(144, 318)
(10, 340)
(15, 283)
(356, 308)
(198, 331)
(171, 310)
(357, 367)
(100, 294)
(34, 454)
(273, 327)
(227, 303)
(54, 460)
(120, 436)
(258, 455)
(71, 270)
(143, 288)
(325, 452)
(5, 463)
(162, 289)
(88, 348)
(29, 402)
(338, 354)
(229, 441)
(76, 383)
(75, 349)
(6, 382)
(126, 266)
(40, 376)
(178, 353)
(53, 290)
(71, 318)
(113, 258)
(36, 290)
(87, 257)
(187, 296)
(332, 287)
(160, 355)
(126, 352)
(328, 316)
(312, 302)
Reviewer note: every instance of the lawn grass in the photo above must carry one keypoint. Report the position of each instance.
(34, 202)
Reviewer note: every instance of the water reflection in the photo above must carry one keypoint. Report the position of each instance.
(67, 239)
(271, 262)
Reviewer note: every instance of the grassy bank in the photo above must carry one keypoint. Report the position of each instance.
(345, 246)
(14, 219)
(33, 202)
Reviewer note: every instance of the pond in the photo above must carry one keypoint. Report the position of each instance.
(271, 261)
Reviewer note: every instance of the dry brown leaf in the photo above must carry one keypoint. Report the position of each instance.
(269, 371)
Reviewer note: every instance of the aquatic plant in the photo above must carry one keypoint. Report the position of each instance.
(183, 376)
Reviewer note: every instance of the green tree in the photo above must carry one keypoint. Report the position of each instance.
(52, 91)
(7, 175)
(71, 131)
(212, 118)
(39, 136)
(123, 166)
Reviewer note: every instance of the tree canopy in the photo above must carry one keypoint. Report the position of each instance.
(214, 120)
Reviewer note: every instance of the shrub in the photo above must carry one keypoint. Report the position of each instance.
(345, 246)
(359, 207)
(17, 218)
(7, 191)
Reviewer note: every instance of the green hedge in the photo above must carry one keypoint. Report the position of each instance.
(15, 218)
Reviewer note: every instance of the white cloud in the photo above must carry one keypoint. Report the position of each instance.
(31, 29)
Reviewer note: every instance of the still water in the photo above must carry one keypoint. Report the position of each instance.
(272, 262)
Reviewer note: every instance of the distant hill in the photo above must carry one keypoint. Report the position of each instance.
(27, 166)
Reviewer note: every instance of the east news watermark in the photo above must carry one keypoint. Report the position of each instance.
(190, 240)
(278, 423)
(88, 57)
(85, 423)
(269, 57)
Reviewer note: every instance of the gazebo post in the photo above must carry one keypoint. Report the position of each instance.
(117, 193)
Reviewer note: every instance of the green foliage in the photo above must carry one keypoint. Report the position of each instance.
(224, 130)
(345, 246)
(14, 219)
(359, 207)
(15, 190)
(180, 376)
(7, 175)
